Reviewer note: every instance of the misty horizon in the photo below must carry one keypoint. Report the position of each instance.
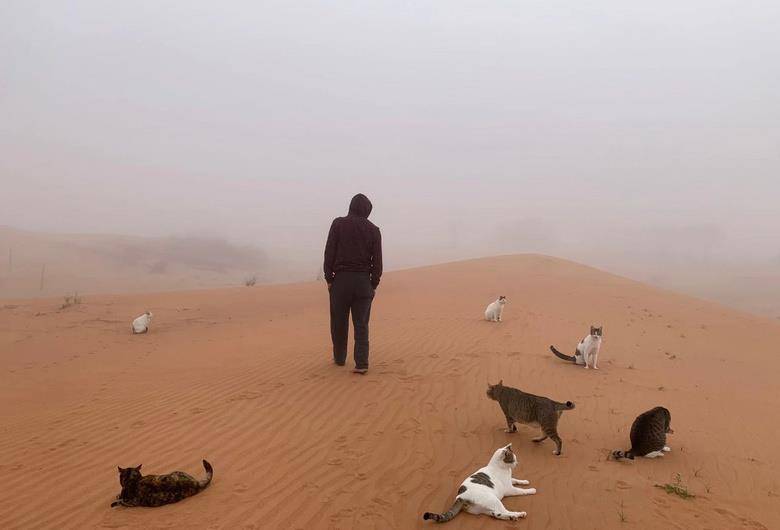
(598, 133)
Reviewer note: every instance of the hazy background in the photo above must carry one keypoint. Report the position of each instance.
(639, 138)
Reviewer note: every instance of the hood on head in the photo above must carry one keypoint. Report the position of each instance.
(360, 206)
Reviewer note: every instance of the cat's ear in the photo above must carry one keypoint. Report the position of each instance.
(120, 469)
(139, 467)
(500, 383)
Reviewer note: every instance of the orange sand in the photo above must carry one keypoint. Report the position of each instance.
(243, 377)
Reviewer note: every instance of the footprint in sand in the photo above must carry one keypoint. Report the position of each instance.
(622, 485)
(240, 487)
(342, 514)
(139, 423)
(335, 462)
(382, 502)
(197, 410)
(745, 522)
(246, 395)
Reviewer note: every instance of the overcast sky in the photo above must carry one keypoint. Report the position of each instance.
(474, 127)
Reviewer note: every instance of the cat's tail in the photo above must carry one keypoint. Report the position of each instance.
(562, 355)
(564, 406)
(209, 474)
(617, 454)
(446, 516)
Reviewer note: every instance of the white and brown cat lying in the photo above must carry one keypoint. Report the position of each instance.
(483, 490)
(587, 352)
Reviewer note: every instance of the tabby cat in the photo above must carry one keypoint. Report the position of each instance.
(648, 435)
(482, 491)
(520, 407)
(156, 490)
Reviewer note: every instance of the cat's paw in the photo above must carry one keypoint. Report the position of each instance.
(557, 453)
(520, 482)
(514, 516)
(667, 449)
(530, 491)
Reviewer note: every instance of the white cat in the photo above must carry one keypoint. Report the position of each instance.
(141, 324)
(495, 310)
(587, 350)
(482, 491)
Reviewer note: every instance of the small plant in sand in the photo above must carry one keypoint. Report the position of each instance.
(677, 488)
(70, 300)
(622, 513)
(251, 281)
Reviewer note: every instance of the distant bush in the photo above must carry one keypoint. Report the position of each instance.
(250, 282)
(70, 300)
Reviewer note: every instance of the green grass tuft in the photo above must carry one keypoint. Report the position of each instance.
(677, 488)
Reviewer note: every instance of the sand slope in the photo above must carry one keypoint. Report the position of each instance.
(94, 263)
(243, 378)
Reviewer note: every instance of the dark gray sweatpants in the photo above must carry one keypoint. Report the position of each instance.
(350, 292)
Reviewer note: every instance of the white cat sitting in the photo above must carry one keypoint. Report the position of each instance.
(587, 352)
(495, 310)
(141, 324)
(482, 491)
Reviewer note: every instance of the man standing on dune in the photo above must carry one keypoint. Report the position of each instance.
(353, 268)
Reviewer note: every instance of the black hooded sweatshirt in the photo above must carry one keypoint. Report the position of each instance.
(354, 243)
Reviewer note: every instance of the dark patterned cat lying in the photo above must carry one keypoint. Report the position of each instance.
(648, 435)
(156, 490)
(520, 407)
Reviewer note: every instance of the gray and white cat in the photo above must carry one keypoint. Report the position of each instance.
(587, 352)
(648, 435)
(483, 490)
(495, 310)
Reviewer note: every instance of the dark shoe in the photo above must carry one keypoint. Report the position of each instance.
(361, 371)
(339, 363)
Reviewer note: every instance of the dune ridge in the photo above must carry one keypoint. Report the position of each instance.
(243, 377)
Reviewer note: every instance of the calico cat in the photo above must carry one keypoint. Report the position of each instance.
(518, 406)
(495, 310)
(156, 490)
(482, 491)
(648, 435)
(587, 351)
(141, 324)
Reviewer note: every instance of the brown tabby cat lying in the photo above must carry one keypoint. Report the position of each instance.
(156, 490)
(648, 435)
(520, 407)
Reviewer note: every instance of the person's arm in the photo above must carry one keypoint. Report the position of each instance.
(330, 253)
(376, 260)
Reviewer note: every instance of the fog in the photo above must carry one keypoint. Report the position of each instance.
(619, 135)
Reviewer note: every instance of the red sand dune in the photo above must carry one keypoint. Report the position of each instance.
(243, 377)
